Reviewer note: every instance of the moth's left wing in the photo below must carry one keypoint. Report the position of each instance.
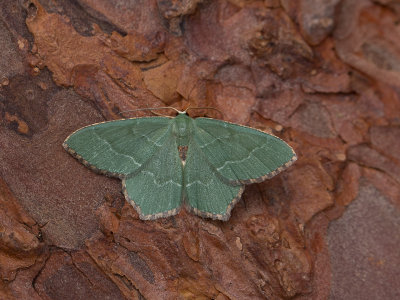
(118, 148)
(241, 154)
(156, 189)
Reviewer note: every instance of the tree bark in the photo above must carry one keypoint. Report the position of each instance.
(322, 75)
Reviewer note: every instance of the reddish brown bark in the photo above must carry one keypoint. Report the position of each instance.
(322, 75)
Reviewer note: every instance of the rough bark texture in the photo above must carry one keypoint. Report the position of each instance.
(322, 75)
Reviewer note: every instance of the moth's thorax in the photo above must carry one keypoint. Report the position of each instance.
(182, 128)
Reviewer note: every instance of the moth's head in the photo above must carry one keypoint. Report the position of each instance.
(181, 127)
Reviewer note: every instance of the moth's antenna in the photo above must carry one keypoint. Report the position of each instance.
(212, 108)
(190, 93)
(153, 108)
(188, 108)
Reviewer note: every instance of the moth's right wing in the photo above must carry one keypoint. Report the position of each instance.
(207, 194)
(241, 154)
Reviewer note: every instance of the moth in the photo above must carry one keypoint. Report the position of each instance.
(165, 163)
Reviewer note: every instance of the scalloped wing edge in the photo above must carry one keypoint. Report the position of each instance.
(142, 216)
(221, 217)
(270, 174)
(89, 165)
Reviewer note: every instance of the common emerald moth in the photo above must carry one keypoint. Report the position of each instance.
(219, 159)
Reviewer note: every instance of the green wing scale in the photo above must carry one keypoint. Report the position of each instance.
(221, 158)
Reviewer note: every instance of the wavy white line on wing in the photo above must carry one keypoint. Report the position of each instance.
(151, 141)
(199, 182)
(215, 139)
(113, 150)
(239, 161)
(161, 184)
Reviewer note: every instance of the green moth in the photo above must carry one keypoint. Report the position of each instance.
(167, 162)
